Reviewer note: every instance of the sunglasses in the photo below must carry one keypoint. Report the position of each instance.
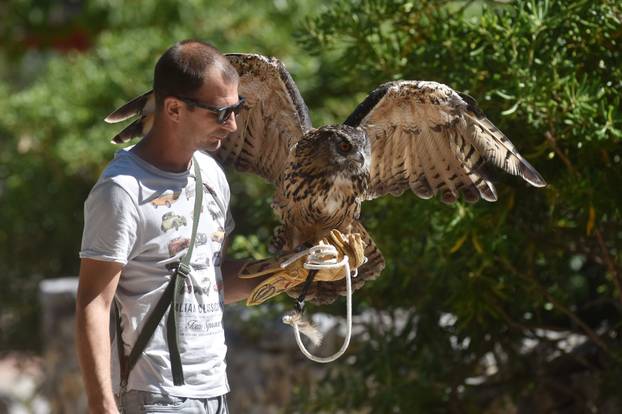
(222, 114)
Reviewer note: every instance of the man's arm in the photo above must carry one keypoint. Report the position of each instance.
(237, 289)
(98, 283)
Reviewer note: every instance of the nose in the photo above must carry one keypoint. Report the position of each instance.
(231, 124)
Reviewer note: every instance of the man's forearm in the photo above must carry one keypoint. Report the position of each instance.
(93, 344)
(237, 289)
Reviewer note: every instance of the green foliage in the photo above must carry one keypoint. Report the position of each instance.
(548, 73)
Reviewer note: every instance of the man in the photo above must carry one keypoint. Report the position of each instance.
(138, 225)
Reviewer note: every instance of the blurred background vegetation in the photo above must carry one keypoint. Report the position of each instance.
(517, 302)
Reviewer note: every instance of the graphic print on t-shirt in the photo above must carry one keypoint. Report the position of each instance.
(205, 287)
(219, 235)
(199, 309)
(171, 220)
(189, 190)
(212, 206)
(214, 210)
(166, 199)
(178, 244)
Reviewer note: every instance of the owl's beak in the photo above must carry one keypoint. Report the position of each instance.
(360, 158)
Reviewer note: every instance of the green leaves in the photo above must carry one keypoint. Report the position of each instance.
(548, 74)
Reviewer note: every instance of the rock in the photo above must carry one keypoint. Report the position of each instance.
(21, 375)
(264, 363)
(63, 386)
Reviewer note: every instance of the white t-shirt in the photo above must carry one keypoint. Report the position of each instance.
(141, 216)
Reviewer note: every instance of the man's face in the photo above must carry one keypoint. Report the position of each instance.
(199, 126)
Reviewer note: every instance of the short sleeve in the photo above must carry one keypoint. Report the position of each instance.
(110, 224)
(229, 223)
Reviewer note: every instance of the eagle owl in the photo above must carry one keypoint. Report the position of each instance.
(406, 135)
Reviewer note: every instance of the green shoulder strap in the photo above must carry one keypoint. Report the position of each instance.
(184, 271)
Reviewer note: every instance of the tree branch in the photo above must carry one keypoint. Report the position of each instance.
(617, 278)
(553, 141)
(561, 307)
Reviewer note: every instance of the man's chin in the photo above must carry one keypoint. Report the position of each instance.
(212, 146)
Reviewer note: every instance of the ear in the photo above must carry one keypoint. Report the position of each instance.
(172, 108)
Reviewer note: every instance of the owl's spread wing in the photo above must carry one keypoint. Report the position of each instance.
(433, 140)
(274, 117)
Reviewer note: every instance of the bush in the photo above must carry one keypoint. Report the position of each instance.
(490, 301)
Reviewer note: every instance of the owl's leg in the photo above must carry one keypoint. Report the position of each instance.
(327, 292)
(279, 240)
(288, 239)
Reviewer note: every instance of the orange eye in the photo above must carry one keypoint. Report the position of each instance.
(345, 146)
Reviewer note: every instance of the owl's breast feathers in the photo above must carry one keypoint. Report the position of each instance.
(314, 202)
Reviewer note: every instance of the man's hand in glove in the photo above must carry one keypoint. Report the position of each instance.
(284, 278)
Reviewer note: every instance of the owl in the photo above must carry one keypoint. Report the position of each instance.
(417, 136)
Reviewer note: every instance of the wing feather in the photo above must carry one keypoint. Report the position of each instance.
(397, 169)
(274, 119)
(432, 140)
(144, 103)
(432, 164)
(137, 128)
(419, 183)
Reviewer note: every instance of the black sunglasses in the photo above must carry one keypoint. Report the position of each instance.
(222, 113)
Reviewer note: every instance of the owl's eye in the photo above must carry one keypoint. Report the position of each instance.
(344, 147)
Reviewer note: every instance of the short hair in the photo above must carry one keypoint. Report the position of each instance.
(181, 70)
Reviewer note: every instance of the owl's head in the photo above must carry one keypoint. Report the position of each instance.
(342, 148)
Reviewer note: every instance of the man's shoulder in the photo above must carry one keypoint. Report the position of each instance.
(121, 171)
(122, 163)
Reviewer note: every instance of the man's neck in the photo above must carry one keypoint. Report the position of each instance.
(163, 153)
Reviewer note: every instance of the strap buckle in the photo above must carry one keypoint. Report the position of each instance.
(123, 385)
(179, 268)
(183, 269)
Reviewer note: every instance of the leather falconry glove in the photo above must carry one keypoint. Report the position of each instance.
(284, 278)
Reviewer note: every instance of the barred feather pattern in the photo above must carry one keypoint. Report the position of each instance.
(320, 188)
(142, 106)
(432, 140)
(274, 118)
